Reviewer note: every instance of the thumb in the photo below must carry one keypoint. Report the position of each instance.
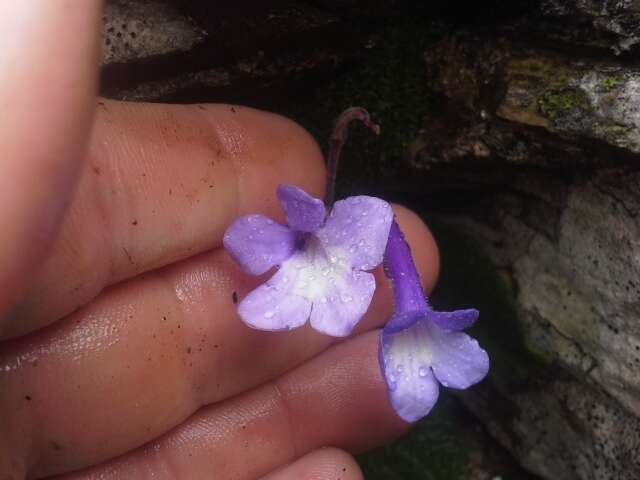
(49, 54)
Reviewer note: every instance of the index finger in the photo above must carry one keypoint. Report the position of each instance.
(49, 64)
(161, 184)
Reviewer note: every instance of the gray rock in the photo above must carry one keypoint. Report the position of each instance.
(155, 52)
(620, 18)
(137, 29)
(550, 141)
(564, 429)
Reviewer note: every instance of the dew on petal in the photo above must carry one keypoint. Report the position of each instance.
(423, 371)
(392, 382)
(346, 298)
(269, 314)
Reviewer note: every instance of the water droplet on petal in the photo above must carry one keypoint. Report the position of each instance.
(269, 314)
(346, 298)
(422, 371)
(399, 368)
(392, 383)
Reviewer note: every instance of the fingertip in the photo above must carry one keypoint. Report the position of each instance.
(279, 151)
(322, 464)
(423, 245)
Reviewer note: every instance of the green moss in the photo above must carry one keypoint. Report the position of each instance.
(550, 74)
(617, 134)
(610, 83)
(390, 81)
(558, 104)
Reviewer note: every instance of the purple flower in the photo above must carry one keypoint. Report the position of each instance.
(323, 261)
(420, 347)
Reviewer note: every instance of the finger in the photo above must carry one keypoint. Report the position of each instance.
(180, 321)
(339, 399)
(161, 184)
(323, 464)
(49, 63)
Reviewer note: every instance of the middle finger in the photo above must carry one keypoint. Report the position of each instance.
(148, 353)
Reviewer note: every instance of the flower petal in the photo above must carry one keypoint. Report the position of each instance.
(304, 212)
(258, 243)
(403, 320)
(405, 361)
(344, 303)
(457, 320)
(275, 306)
(457, 359)
(357, 230)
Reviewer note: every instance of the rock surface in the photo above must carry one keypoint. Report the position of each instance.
(135, 30)
(620, 19)
(164, 50)
(547, 137)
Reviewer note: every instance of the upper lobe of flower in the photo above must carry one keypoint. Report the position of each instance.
(322, 260)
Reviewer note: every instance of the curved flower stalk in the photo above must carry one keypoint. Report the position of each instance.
(419, 347)
(323, 261)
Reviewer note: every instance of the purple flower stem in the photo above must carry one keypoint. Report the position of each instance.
(400, 268)
(338, 139)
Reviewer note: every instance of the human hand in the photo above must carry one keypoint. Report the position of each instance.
(120, 333)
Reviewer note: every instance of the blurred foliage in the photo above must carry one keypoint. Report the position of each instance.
(389, 80)
(434, 450)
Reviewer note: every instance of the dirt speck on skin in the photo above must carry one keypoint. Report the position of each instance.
(27, 398)
(188, 349)
(55, 445)
(134, 223)
(233, 110)
(234, 297)
(131, 261)
(97, 170)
